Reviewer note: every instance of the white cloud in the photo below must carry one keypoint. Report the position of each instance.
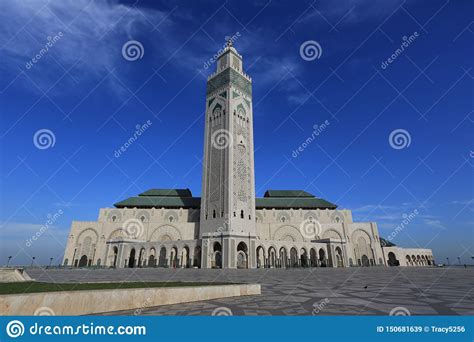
(93, 35)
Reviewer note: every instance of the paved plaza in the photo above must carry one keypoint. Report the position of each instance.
(315, 291)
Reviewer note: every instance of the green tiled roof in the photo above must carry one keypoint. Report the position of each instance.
(159, 202)
(295, 203)
(287, 193)
(182, 198)
(168, 193)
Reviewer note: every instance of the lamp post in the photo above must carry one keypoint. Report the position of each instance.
(9, 258)
(448, 261)
(32, 261)
(50, 261)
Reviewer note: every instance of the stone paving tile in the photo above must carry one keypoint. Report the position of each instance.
(348, 291)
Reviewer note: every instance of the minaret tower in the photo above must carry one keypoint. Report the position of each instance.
(227, 225)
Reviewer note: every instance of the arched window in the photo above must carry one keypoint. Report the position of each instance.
(114, 218)
(213, 214)
(241, 214)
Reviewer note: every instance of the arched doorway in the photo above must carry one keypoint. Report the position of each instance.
(339, 260)
(283, 257)
(217, 255)
(197, 256)
(174, 257)
(365, 261)
(114, 263)
(131, 259)
(304, 258)
(141, 257)
(272, 257)
(162, 258)
(83, 261)
(185, 257)
(322, 257)
(293, 257)
(313, 258)
(151, 258)
(242, 259)
(392, 260)
(260, 257)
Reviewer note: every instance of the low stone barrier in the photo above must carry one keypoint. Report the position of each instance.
(10, 275)
(98, 301)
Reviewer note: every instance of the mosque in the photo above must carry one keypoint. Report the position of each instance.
(228, 227)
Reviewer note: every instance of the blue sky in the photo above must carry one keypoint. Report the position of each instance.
(91, 98)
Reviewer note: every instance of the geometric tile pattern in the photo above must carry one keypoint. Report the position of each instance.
(315, 291)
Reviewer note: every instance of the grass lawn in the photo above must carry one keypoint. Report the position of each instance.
(32, 286)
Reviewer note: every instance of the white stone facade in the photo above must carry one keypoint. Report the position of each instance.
(226, 228)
